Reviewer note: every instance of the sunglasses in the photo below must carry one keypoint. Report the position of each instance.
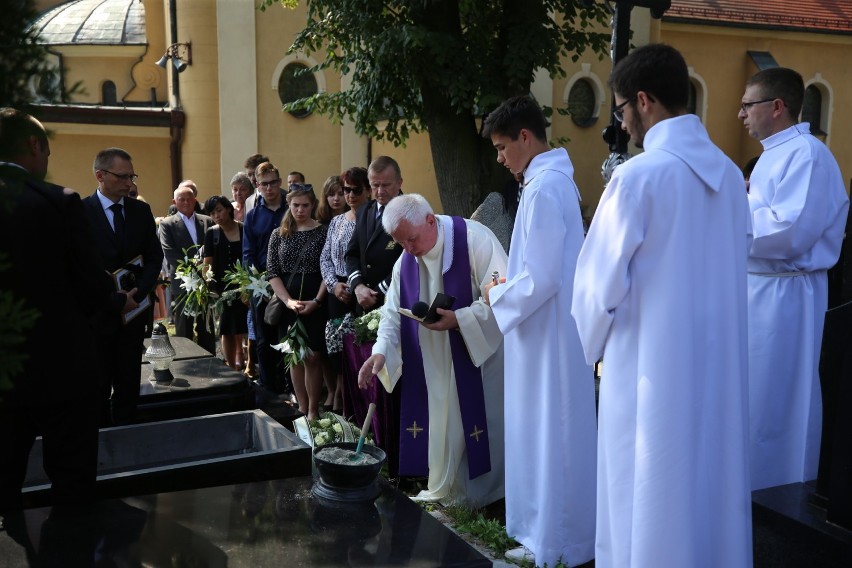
(353, 190)
(301, 187)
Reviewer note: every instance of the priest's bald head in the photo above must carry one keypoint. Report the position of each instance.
(409, 219)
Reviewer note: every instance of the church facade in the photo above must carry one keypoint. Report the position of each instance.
(224, 71)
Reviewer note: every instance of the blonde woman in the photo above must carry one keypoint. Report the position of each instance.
(293, 269)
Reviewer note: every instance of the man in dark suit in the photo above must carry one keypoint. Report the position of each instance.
(372, 252)
(184, 231)
(45, 239)
(124, 229)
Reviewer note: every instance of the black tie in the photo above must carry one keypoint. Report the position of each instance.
(118, 222)
(379, 216)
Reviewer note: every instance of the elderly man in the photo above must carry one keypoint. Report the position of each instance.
(124, 229)
(452, 370)
(799, 205)
(182, 234)
(372, 252)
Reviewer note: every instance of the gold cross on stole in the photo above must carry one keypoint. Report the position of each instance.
(414, 429)
(476, 432)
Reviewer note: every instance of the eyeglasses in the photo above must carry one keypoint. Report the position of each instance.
(746, 106)
(618, 111)
(301, 187)
(126, 177)
(353, 190)
(269, 183)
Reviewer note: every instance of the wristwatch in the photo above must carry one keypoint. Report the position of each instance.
(317, 300)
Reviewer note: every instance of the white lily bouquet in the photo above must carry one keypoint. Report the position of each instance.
(198, 296)
(294, 345)
(367, 327)
(247, 282)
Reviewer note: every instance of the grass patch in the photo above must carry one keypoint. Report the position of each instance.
(489, 532)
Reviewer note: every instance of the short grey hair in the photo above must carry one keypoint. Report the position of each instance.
(411, 207)
(242, 179)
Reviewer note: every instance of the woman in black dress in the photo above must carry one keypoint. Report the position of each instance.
(223, 246)
(293, 270)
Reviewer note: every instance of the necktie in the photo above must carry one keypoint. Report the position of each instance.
(118, 222)
(379, 216)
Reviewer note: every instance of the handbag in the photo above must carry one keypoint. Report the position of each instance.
(274, 311)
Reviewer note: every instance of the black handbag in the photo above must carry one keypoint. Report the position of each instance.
(274, 311)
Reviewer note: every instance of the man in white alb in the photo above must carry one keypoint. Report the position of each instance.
(660, 294)
(798, 203)
(550, 429)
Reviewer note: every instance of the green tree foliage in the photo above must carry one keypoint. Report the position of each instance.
(23, 59)
(438, 65)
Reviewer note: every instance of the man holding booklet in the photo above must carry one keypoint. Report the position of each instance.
(451, 419)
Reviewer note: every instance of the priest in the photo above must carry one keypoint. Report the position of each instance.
(450, 371)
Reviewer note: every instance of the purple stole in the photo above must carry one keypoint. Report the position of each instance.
(414, 411)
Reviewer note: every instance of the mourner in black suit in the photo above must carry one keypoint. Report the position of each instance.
(45, 239)
(372, 252)
(175, 238)
(122, 234)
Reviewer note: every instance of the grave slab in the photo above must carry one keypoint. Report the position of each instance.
(257, 525)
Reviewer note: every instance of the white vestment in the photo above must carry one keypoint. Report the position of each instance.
(798, 202)
(550, 391)
(660, 294)
(448, 471)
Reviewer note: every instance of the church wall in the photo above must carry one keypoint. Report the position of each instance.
(73, 148)
(199, 92)
(720, 56)
(222, 130)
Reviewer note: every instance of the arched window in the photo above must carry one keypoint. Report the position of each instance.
(692, 102)
(108, 96)
(812, 110)
(582, 103)
(295, 83)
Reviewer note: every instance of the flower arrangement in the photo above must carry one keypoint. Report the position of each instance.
(248, 280)
(330, 427)
(294, 345)
(198, 297)
(367, 327)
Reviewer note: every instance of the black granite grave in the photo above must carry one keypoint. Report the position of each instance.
(184, 454)
(263, 524)
(790, 531)
(201, 386)
(184, 349)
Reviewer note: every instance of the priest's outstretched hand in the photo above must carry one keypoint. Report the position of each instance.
(371, 367)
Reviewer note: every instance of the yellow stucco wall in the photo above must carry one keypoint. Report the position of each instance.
(314, 145)
(73, 148)
(720, 54)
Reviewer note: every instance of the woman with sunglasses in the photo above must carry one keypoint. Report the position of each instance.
(356, 192)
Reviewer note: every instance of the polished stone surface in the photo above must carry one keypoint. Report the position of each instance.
(789, 531)
(265, 524)
(201, 386)
(184, 349)
(189, 453)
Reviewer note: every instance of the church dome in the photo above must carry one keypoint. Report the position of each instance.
(93, 22)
